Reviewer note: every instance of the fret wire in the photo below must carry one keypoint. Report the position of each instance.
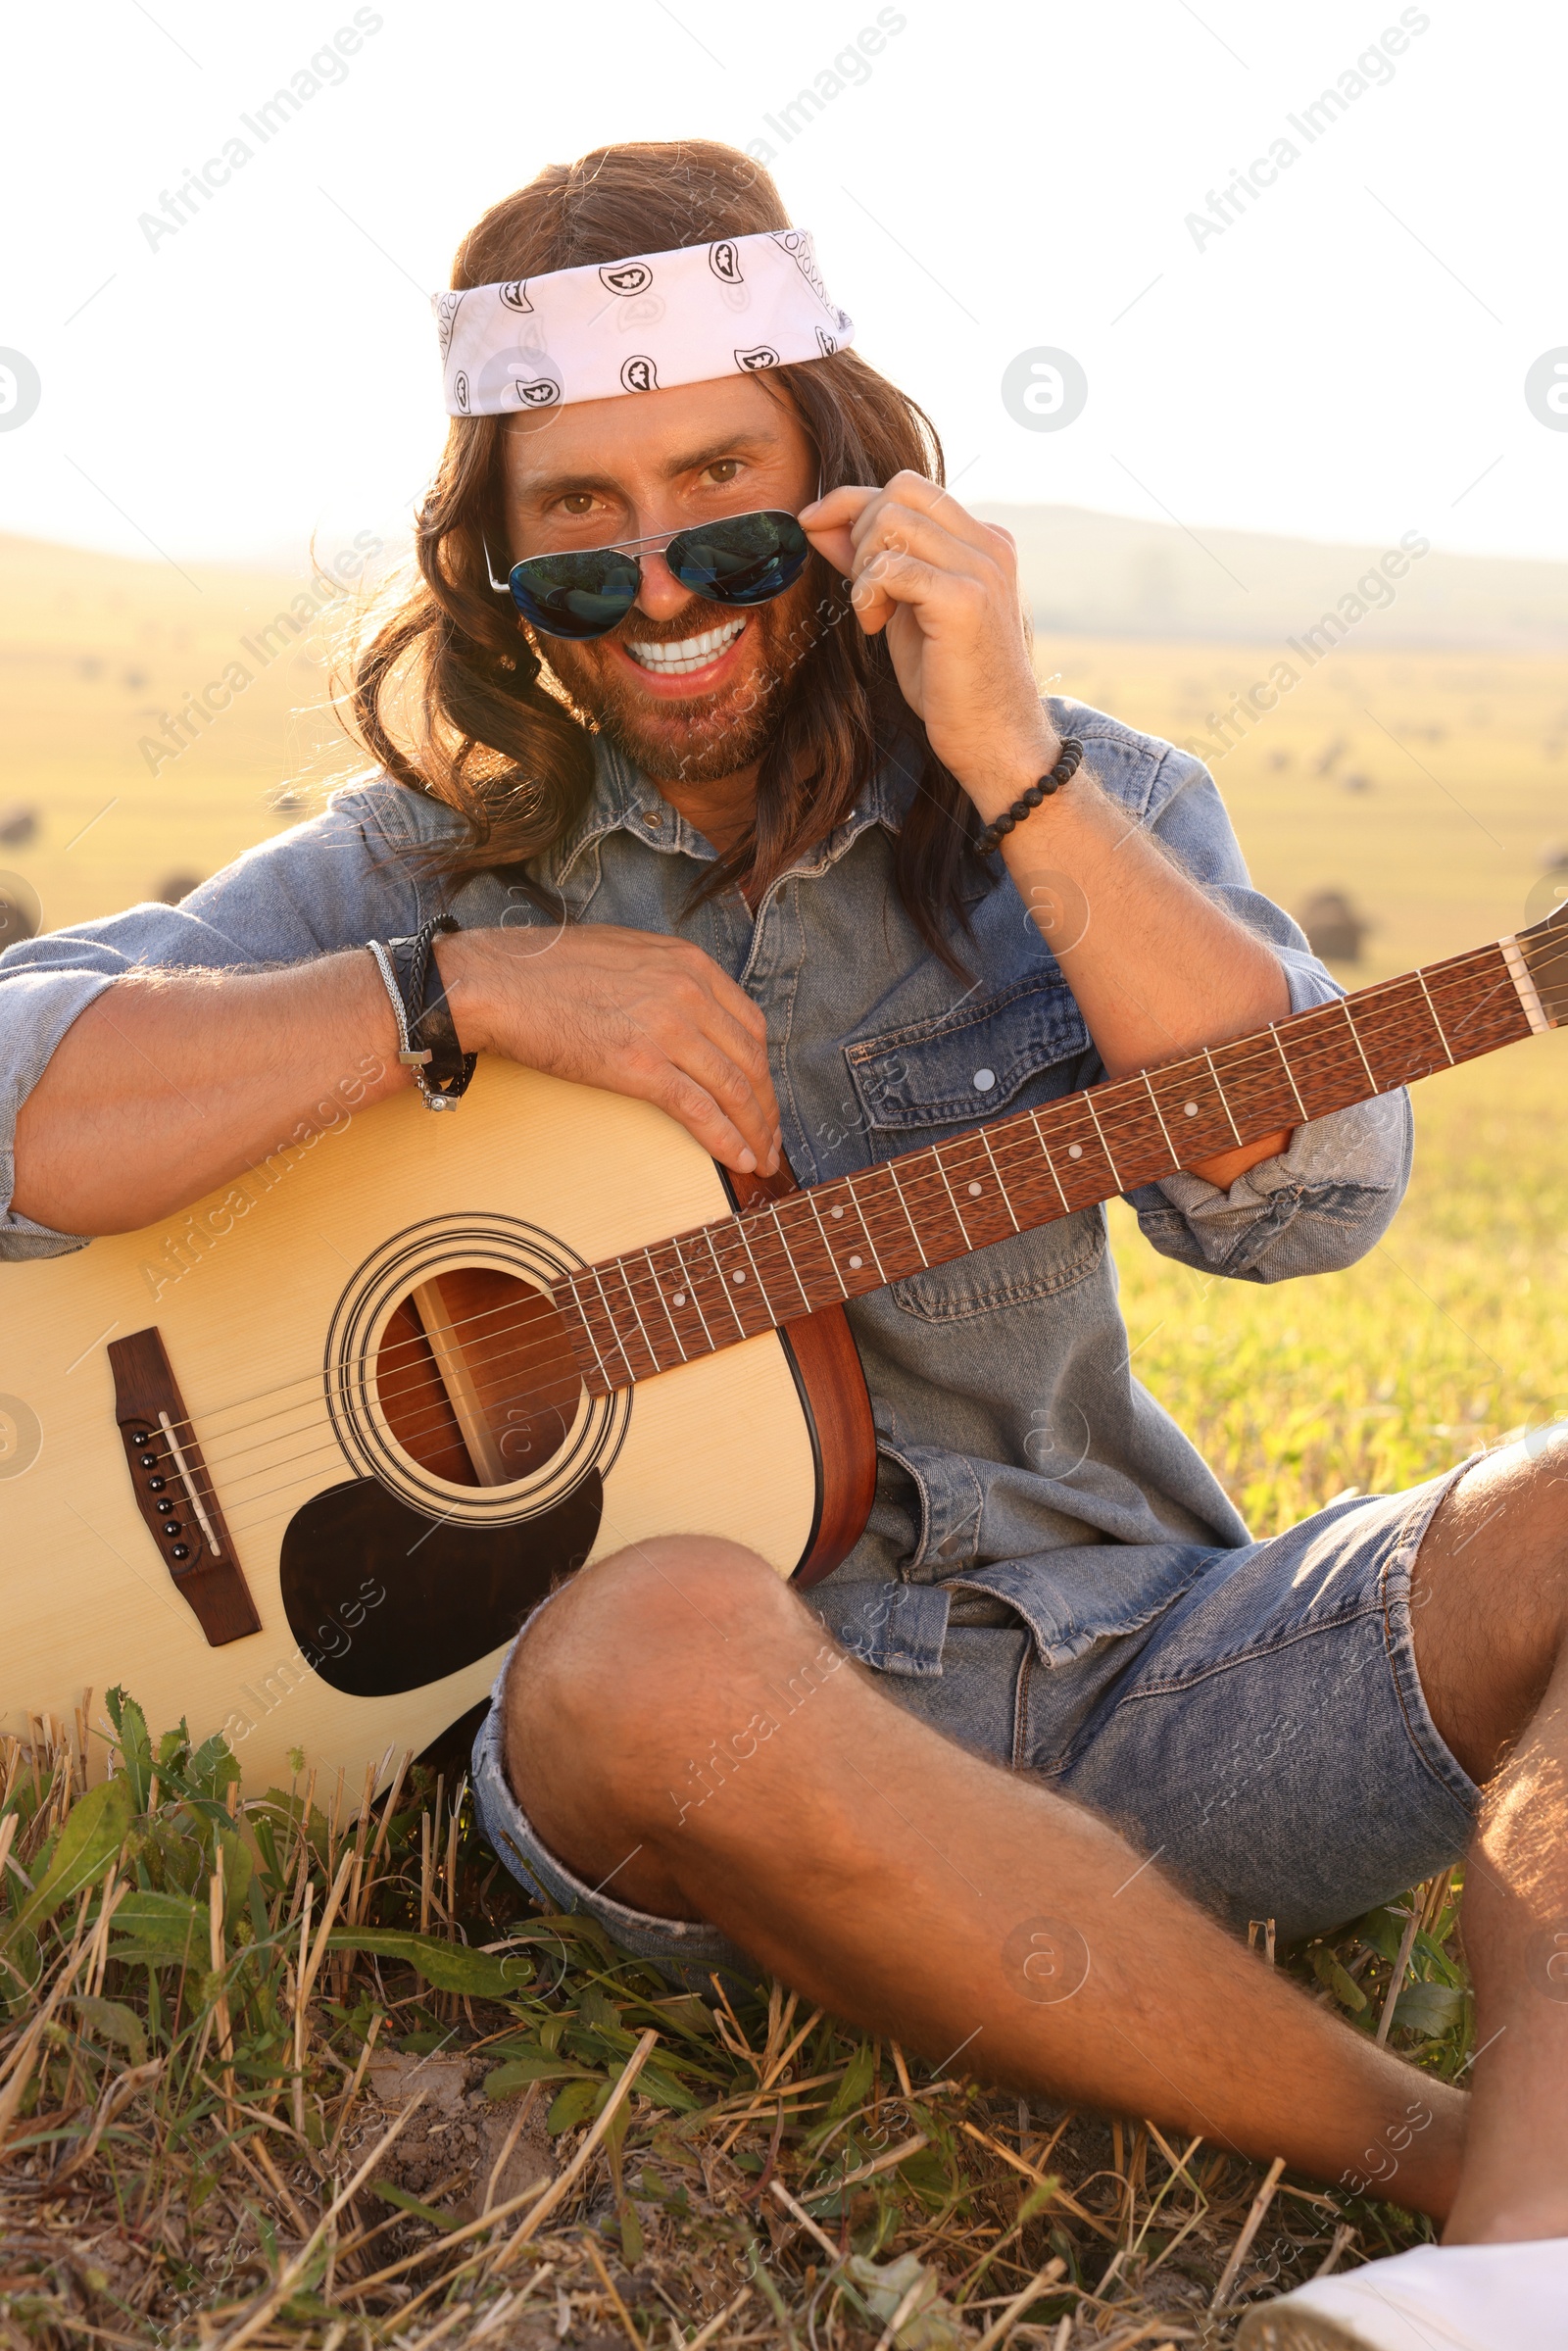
(893, 1171)
(625, 1283)
(1290, 1074)
(996, 1173)
(582, 1317)
(1349, 1022)
(811, 1199)
(1089, 1104)
(1220, 1091)
(690, 1288)
(1067, 1205)
(1435, 1023)
(940, 1168)
(708, 1236)
(789, 1254)
(1161, 1115)
(665, 1303)
(740, 1227)
(865, 1229)
(615, 1327)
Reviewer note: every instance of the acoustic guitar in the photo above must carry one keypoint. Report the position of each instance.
(296, 1467)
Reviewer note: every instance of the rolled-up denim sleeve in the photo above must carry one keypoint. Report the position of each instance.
(1323, 1203)
(331, 883)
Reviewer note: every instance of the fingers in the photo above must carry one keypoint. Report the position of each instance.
(717, 1103)
(723, 1058)
(896, 529)
(828, 524)
(858, 527)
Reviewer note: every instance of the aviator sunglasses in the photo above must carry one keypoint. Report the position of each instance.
(583, 592)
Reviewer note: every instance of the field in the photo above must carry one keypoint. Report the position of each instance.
(188, 2085)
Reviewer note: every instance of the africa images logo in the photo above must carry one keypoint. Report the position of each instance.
(638, 373)
(627, 277)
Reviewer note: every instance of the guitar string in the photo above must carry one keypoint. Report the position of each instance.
(1117, 1126)
(551, 1399)
(868, 1215)
(301, 1474)
(1268, 1049)
(762, 1238)
(298, 1464)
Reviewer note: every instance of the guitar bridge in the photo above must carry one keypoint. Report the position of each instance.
(173, 1491)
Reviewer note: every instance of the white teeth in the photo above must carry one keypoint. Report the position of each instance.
(691, 653)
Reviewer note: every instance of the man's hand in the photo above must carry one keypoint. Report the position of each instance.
(631, 1011)
(1157, 968)
(946, 589)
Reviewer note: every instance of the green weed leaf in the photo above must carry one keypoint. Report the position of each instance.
(95, 1828)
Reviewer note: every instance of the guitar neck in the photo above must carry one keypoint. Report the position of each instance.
(783, 1258)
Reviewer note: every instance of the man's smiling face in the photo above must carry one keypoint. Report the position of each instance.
(688, 689)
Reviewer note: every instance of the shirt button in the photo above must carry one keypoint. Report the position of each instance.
(651, 820)
(984, 1080)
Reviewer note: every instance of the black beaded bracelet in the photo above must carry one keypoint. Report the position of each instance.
(1063, 771)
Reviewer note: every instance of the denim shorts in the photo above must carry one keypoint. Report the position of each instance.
(1264, 1737)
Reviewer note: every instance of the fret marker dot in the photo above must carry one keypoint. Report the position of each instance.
(1075, 1151)
(1190, 1110)
(856, 1264)
(984, 1080)
(974, 1192)
(677, 1297)
(737, 1279)
(835, 1211)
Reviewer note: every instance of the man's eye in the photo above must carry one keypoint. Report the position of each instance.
(724, 468)
(577, 502)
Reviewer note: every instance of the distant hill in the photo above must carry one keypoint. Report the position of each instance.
(1109, 575)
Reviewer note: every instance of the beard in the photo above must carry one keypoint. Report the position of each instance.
(706, 736)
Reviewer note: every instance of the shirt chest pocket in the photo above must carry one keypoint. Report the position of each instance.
(936, 1079)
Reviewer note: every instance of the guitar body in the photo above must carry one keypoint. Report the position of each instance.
(325, 1355)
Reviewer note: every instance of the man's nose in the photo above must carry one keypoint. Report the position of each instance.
(660, 595)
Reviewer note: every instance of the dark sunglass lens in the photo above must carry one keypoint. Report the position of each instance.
(575, 595)
(746, 559)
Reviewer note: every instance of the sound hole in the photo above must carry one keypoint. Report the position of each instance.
(477, 1377)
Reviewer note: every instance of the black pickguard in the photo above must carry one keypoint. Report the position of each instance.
(448, 1594)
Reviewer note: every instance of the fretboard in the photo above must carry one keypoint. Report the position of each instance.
(633, 1316)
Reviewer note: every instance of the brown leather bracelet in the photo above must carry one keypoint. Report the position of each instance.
(441, 1068)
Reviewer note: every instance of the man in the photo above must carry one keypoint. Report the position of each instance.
(730, 853)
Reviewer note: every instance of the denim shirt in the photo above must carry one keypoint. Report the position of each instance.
(1020, 1460)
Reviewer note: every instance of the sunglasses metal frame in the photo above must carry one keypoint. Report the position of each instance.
(654, 544)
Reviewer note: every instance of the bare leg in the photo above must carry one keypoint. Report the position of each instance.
(897, 1880)
(1491, 1610)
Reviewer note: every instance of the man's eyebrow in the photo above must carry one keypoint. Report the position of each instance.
(562, 485)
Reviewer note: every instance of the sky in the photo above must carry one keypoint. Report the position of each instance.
(1360, 339)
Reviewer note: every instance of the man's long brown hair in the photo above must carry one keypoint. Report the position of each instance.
(448, 695)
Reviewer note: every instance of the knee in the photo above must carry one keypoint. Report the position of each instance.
(642, 1655)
